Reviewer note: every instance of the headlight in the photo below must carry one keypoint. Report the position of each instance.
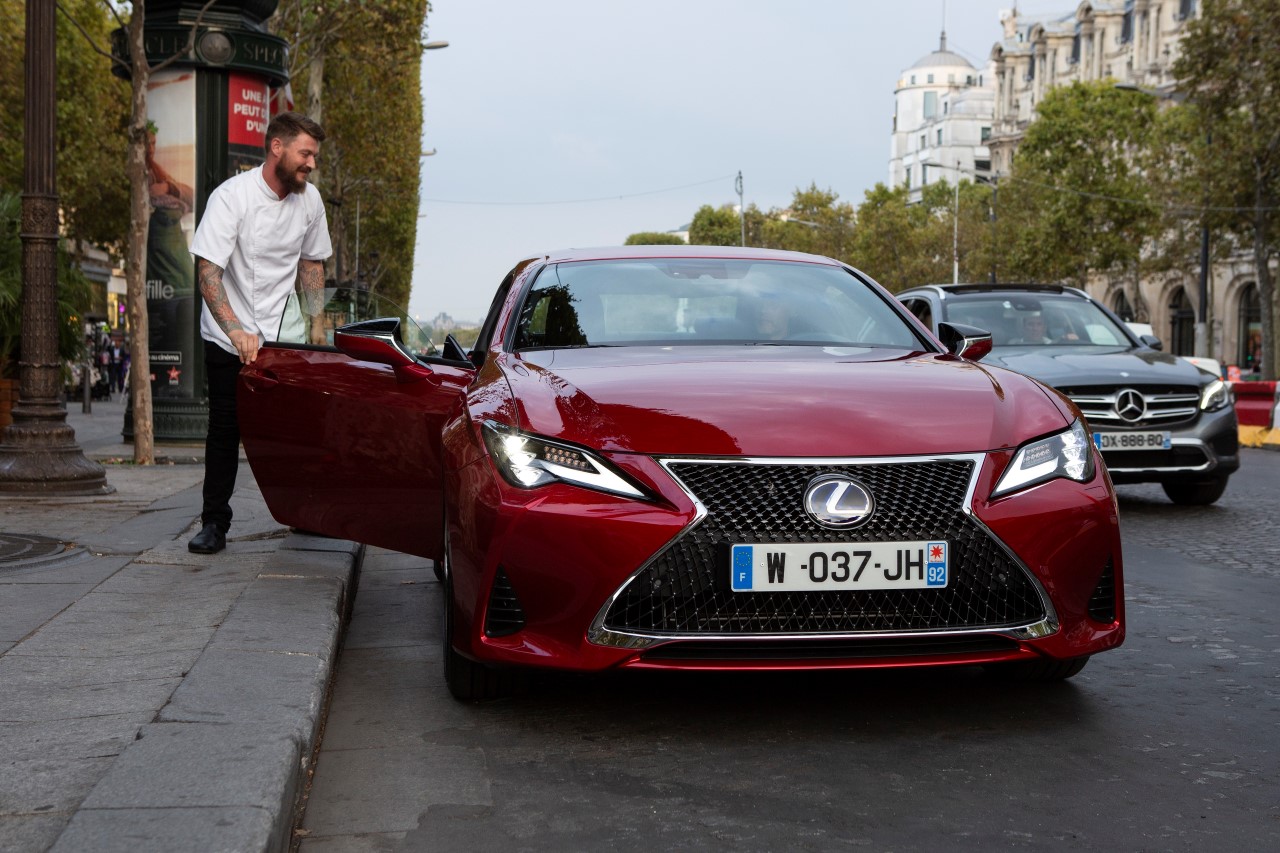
(1068, 454)
(1215, 395)
(528, 462)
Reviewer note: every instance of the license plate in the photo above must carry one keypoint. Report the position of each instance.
(1132, 440)
(826, 566)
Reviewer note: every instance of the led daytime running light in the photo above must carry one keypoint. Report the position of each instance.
(1067, 454)
(529, 462)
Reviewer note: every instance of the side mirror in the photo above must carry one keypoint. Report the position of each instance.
(379, 341)
(965, 341)
(1152, 341)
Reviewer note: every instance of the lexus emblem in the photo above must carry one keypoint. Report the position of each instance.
(1130, 405)
(837, 501)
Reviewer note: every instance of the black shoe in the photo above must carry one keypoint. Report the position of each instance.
(210, 540)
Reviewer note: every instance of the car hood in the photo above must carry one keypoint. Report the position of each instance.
(1073, 367)
(777, 401)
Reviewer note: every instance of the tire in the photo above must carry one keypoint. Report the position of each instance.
(1041, 671)
(1202, 493)
(468, 680)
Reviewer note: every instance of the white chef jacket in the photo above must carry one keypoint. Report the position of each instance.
(258, 238)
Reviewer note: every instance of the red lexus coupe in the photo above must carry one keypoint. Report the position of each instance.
(702, 458)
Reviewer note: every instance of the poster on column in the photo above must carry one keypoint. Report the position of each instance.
(247, 108)
(171, 170)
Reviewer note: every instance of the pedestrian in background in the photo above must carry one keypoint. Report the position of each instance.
(262, 230)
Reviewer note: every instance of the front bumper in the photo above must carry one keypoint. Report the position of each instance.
(605, 582)
(1207, 449)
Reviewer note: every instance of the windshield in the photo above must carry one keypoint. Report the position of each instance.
(665, 301)
(1036, 319)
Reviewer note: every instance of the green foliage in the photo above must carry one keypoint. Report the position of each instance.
(74, 292)
(92, 115)
(1229, 66)
(653, 238)
(716, 226)
(1079, 198)
(816, 222)
(372, 115)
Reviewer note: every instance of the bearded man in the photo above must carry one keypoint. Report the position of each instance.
(262, 230)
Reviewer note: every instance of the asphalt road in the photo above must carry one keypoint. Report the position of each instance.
(1170, 743)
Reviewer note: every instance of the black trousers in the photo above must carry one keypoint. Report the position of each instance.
(222, 445)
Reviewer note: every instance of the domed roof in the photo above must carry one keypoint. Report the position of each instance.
(942, 56)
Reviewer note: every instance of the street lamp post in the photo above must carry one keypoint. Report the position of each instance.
(38, 451)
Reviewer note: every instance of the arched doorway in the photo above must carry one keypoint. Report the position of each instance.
(1120, 305)
(1182, 324)
(1249, 353)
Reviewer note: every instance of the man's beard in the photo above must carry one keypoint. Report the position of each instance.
(289, 177)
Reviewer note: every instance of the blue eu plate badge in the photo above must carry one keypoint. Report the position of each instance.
(936, 564)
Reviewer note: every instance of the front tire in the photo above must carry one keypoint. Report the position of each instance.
(1040, 671)
(1202, 493)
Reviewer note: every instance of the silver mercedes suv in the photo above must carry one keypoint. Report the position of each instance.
(1155, 417)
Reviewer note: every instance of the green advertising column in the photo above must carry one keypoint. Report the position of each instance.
(207, 119)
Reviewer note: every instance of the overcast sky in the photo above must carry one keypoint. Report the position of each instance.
(563, 100)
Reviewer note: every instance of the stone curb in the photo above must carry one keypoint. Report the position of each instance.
(224, 763)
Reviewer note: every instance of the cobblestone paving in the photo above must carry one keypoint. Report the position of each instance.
(1240, 531)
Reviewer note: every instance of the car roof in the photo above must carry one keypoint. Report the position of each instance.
(610, 253)
(976, 287)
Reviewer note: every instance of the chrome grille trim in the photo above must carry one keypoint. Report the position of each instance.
(1163, 408)
(599, 634)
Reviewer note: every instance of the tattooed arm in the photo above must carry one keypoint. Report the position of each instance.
(215, 296)
(311, 277)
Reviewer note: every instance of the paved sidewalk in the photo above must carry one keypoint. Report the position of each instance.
(150, 698)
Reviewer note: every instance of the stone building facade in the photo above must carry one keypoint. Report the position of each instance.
(948, 112)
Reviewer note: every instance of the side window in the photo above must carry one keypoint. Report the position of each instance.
(348, 305)
(922, 309)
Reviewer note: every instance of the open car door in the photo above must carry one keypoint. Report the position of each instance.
(345, 441)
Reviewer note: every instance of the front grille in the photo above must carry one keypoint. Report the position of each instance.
(504, 615)
(685, 590)
(818, 650)
(1166, 405)
(1102, 604)
(1179, 456)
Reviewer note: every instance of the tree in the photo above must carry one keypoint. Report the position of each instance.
(713, 226)
(1230, 68)
(1078, 198)
(92, 112)
(653, 238)
(815, 222)
(359, 64)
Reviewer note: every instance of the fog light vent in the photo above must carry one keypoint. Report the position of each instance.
(504, 615)
(1102, 604)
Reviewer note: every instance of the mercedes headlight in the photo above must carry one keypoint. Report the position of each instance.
(527, 462)
(1068, 454)
(1214, 396)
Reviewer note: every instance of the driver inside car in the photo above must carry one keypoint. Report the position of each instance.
(773, 323)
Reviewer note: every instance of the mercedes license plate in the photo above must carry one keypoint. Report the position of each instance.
(1132, 440)
(828, 566)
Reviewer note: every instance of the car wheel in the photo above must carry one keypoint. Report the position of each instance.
(1195, 494)
(1037, 670)
(466, 679)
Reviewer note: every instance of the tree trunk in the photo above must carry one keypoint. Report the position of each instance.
(136, 259)
(1266, 293)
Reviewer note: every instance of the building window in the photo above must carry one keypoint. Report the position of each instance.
(908, 177)
(951, 78)
(1186, 9)
(1249, 355)
(924, 174)
(1126, 23)
(924, 143)
(1120, 305)
(1075, 47)
(939, 136)
(930, 104)
(1182, 324)
(986, 134)
(982, 166)
(929, 79)
(945, 106)
(913, 79)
